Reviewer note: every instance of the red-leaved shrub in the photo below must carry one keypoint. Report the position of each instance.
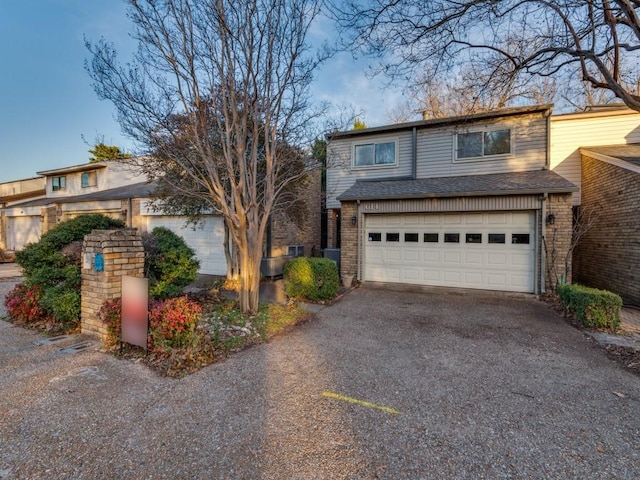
(110, 313)
(23, 304)
(173, 322)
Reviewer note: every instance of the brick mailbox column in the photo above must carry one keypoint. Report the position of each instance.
(107, 256)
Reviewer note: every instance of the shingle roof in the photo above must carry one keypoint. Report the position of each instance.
(136, 190)
(629, 153)
(436, 122)
(516, 183)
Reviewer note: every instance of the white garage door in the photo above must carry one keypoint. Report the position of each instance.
(206, 239)
(491, 251)
(23, 230)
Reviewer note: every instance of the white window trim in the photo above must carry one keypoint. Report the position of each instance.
(373, 142)
(484, 157)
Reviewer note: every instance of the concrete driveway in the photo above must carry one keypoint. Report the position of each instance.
(486, 386)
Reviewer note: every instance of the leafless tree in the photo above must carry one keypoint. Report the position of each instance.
(227, 81)
(595, 40)
(559, 269)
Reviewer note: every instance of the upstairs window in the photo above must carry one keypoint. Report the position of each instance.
(374, 154)
(88, 179)
(483, 144)
(58, 183)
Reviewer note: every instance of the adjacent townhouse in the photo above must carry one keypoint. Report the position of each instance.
(456, 202)
(599, 151)
(19, 228)
(116, 189)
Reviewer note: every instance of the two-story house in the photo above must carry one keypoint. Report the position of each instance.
(599, 151)
(457, 202)
(122, 192)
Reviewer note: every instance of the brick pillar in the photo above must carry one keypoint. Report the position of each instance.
(331, 228)
(558, 239)
(348, 239)
(49, 218)
(123, 254)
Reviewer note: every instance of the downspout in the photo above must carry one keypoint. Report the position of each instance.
(414, 153)
(547, 160)
(543, 233)
(359, 243)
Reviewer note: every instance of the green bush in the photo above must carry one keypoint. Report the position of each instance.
(313, 278)
(594, 308)
(170, 264)
(56, 269)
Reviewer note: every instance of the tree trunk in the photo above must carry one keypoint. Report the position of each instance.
(249, 296)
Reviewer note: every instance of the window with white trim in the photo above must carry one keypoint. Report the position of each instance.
(483, 143)
(375, 154)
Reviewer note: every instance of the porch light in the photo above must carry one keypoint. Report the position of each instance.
(551, 219)
(354, 220)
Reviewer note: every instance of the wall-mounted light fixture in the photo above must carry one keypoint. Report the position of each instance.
(551, 219)
(354, 220)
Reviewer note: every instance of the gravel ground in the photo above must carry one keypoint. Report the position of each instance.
(486, 386)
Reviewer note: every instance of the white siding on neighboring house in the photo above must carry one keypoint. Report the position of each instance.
(108, 175)
(572, 131)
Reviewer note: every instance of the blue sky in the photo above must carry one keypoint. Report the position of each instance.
(47, 103)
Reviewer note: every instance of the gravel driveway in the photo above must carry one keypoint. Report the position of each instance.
(486, 386)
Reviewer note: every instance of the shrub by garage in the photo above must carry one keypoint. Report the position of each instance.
(594, 308)
(311, 278)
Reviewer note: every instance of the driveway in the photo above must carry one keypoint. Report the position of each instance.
(486, 385)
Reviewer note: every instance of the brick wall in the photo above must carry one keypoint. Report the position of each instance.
(285, 232)
(49, 218)
(332, 230)
(348, 239)
(123, 254)
(608, 257)
(558, 240)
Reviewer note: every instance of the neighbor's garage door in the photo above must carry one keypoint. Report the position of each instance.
(206, 240)
(23, 230)
(492, 251)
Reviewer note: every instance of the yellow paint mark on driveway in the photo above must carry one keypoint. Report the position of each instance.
(359, 402)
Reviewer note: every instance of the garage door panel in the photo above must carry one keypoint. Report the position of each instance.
(432, 261)
(206, 239)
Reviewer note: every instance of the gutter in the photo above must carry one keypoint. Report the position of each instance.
(414, 153)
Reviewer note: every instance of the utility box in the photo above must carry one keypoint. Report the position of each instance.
(333, 254)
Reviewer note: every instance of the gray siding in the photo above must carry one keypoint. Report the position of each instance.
(436, 149)
(435, 154)
(340, 174)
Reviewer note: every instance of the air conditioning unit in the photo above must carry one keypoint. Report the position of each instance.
(332, 254)
(271, 267)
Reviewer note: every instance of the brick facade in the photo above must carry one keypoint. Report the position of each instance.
(348, 239)
(609, 254)
(333, 217)
(558, 240)
(284, 232)
(123, 254)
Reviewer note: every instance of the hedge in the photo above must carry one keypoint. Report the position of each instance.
(313, 278)
(594, 308)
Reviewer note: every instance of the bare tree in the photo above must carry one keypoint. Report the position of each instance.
(597, 40)
(559, 269)
(227, 81)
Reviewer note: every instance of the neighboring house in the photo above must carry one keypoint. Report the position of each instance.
(20, 228)
(608, 256)
(605, 125)
(597, 150)
(458, 202)
(115, 189)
